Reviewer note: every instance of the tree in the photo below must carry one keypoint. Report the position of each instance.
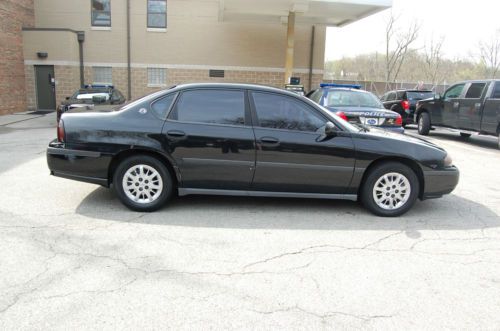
(490, 54)
(397, 46)
(433, 59)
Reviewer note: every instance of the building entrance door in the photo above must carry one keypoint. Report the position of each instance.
(45, 83)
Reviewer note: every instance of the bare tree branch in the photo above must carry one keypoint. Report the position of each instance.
(490, 54)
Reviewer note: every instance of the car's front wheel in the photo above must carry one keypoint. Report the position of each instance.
(142, 183)
(424, 124)
(390, 189)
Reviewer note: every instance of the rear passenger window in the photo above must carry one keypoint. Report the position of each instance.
(160, 107)
(475, 90)
(496, 91)
(282, 112)
(210, 106)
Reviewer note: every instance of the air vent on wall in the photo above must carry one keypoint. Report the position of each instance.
(216, 73)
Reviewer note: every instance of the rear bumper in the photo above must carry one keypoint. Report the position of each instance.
(85, 166)
(440, 182)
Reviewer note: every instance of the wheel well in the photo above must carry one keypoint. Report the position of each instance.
(420, 111)
(132, 152)
(410, 163)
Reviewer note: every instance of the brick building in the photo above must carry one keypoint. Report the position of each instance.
(54, 46)
(14, 15)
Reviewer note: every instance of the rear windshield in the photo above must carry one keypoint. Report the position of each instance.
(412, 96)
(349, 98)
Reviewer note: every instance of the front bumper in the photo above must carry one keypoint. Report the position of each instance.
(440, 182)
(81, 165)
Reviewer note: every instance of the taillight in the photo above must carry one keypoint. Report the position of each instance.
(342, 115)
(61, 134)
(405, 104)
(399, 120)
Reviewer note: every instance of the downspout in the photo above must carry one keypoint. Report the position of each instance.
(81, 38)
(311, 58)
(129, 70)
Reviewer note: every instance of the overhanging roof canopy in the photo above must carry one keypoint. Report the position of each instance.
(327, 12)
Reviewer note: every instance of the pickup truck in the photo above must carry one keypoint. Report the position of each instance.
(468, 107)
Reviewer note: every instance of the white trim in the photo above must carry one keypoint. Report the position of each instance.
(170, 66)
(156, 29)
(100, 28)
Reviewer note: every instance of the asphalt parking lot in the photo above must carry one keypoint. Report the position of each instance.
(71, 256)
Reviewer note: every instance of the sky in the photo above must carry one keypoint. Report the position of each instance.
(462, 24)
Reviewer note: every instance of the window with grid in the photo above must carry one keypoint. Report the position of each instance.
(157, 76)
(157, 13)
(101, 13)
(103, 75)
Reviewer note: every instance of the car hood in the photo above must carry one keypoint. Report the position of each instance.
(364, 111)
(380, 133)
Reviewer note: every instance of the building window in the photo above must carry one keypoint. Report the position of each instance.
(157, 14)
(103, 75)
(157, 77)
(101, 12)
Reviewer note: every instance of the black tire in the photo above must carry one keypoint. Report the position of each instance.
(465, 135)
(424, 124)
(367, 191)
(167, 186)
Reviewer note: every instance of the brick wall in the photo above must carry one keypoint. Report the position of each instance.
(14, 15)
(68, 80)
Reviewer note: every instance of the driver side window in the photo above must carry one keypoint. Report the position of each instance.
(454, 91)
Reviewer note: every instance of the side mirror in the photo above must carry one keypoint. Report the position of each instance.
(437, 96)
(330, 129)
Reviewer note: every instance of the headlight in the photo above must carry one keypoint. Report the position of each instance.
(447, 162)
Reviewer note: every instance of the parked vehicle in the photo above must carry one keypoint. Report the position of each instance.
(91, 97)
(469, 107)
(404, 102)
(246, 140)
(356, 106)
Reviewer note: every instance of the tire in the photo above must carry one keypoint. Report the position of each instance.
(424, 124)
(151, 184)
(465, 135)
(394, 203)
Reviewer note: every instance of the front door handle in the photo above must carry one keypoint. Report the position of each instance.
(176, 133)
(456, 104)
(269, 140)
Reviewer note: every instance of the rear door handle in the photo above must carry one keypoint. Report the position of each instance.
(269, 140)
(456, 104)
(176, 133)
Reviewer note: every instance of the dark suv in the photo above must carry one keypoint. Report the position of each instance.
(92, 96)
(404, 102)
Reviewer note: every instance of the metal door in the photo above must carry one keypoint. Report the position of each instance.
(45, 84)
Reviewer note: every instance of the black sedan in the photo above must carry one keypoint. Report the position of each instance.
(91, 97)
(246, 140)
(356, 106)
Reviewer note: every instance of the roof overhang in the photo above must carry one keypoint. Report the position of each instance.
(322, 12)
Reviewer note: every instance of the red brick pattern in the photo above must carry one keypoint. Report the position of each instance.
(14, 15)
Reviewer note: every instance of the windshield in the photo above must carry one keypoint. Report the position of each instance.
(349, 98)
(415, 96)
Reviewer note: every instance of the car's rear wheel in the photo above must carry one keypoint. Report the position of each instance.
(465, 135)
(390, 189)
(424, 124)
(143, 183)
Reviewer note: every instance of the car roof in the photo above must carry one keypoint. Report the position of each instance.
(258, 87)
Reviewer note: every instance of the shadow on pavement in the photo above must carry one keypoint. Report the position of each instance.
(451, 212)
(489, 142)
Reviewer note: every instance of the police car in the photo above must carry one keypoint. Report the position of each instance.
(356, 106)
